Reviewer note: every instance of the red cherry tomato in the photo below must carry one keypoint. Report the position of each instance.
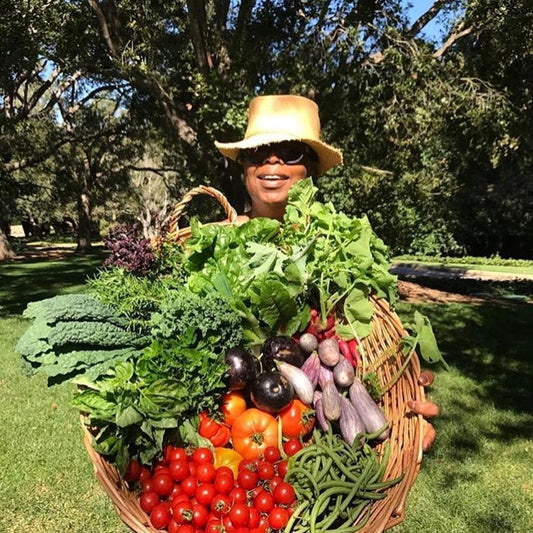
(133, 471)
(247, 479)
(213, 526)
(221, 437)
(200, 515)
(284, 493)
(221, 505)
(272, 454)
(208, 427)
(205, 493)
(163, 484)
(160, 516)
(202, 455)
(179, 470)
(176, 454)
(239, 514)
(144, 475)
(282, 467)
(205, 473)
(238, 495)
(297, 419)
(264, 502)
(189, 485)
(255, 517)
(278, 518)
(182, 512)
(292, 446)
(265, 470)
(148, 501)
(224, 484)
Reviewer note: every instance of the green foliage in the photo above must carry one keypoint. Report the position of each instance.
(207, 321)
(75, 334)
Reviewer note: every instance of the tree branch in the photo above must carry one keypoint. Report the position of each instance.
(426, 17)
(455, 36)
(198, 27)
(104, 26)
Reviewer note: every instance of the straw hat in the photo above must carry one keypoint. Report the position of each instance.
(277, 118)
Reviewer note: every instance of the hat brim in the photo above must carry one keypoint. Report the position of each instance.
(327, 155)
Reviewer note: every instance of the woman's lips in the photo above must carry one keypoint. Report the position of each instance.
(272, 177)
(272, 181)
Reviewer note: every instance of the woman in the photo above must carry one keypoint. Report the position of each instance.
(281, 146)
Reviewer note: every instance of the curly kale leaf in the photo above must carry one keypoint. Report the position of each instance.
(198, 321)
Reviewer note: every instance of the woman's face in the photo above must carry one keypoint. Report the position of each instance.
(269, 173)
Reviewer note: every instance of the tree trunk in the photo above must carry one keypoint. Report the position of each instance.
(84, 220)
(6, 252)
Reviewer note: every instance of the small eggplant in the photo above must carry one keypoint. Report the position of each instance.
(331, 401)
(317, 404)
(298, 379)
(281, 349)
(271, 392)
(308, 342)
(372, 416)
(242, 368)
(328, 351)
(311, 367)
(343, 373)
(350, 422)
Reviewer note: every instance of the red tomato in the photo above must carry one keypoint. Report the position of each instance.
(202, 455)
(200, 515)
(282, 467)
(213, 526)
(148, 501)
(239, 514)
(284, 493)
(205, 473)
(207, 427)
(176, 454)
(253, 431)
(189, 485)
(160, 516)
(205, 493)
(247, 479)
(272, 454)
(163, 484)
(233, 406)
(255, 517)
(221, 437)
(274, 482)
(248, 464)
(186, 528)
(173, 526)
(297, 419)
(265, 470)
(179, 470)
(278, 518)
(264, 502)
(238, 495)
(144, 475)
(224, 484)
(221, 505)
(133, 471)
(292, 446)
(182, 512)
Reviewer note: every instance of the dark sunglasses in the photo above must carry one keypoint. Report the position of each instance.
(291, 153)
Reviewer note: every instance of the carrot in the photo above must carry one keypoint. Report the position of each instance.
(429, 437)
(427, 409)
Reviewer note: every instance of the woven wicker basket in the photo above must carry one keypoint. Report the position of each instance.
(383, 355)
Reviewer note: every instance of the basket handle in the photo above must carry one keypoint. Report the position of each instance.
(173, 228)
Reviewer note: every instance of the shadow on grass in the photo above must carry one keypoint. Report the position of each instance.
(491, 345)
(34, 279)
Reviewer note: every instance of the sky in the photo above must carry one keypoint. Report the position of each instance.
(433, 29)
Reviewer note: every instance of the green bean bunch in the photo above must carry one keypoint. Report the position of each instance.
(336, 483)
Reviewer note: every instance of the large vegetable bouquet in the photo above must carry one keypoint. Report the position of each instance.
(240, 341)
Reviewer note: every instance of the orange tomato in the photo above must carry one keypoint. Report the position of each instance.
(253, 432)
(297, 419)
(233, 406)
(228, 457)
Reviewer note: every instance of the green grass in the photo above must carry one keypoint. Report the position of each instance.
(476, 478)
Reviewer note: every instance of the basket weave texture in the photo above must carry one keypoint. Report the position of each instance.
(382, 353)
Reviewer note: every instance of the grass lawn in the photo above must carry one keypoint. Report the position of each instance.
(476, 478)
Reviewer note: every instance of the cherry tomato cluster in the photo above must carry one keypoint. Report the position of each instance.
(186, 493)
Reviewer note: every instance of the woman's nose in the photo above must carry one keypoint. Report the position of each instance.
(272, 159)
